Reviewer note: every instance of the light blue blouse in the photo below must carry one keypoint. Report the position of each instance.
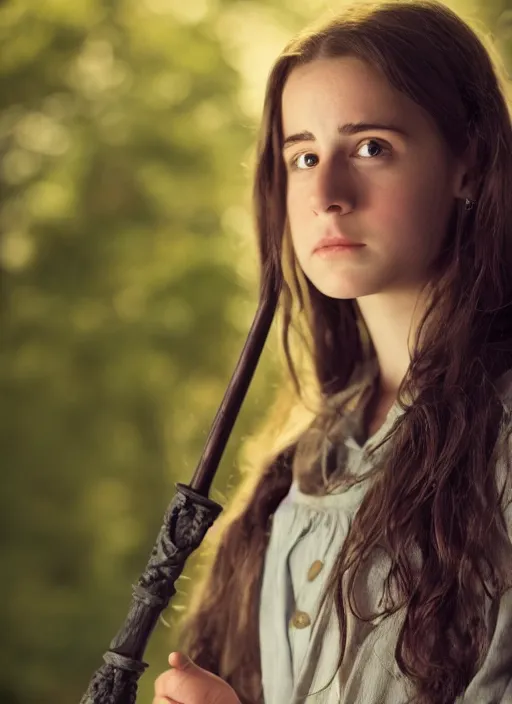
(299, 653)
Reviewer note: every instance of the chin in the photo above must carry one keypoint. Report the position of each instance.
(344, 290)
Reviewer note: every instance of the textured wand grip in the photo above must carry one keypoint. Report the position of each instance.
(185, 524)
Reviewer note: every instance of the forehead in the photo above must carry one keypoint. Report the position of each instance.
(348, 89)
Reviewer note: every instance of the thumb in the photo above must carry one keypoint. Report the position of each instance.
(181, 661)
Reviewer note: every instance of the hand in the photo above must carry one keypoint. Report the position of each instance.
(187, 683)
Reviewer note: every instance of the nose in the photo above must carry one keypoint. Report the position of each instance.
(330, 189)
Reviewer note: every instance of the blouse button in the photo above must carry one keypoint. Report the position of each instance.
(300, 619)
(315, 570)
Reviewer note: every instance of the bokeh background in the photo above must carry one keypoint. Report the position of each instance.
(128, 282)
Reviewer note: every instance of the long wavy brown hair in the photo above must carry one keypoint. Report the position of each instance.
(435, 489)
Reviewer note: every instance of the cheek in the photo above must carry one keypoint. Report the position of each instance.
(300, 244)
(405, 216)
(295, 204)
(299, 217)
(400, 207)
(422, 199)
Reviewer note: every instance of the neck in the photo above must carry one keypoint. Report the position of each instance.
(392, 321)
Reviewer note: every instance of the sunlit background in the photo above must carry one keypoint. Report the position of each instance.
(128, 283)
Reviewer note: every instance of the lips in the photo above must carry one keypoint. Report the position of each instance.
(336, 241)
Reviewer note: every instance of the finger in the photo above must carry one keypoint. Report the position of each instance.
(179, 660)
(165, 700)
(172, 683)
(164, 682)
(174, 659)
(159, 686)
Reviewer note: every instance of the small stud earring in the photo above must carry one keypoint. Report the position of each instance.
(470, 204)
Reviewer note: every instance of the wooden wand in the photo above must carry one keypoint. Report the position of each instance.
(186, 521)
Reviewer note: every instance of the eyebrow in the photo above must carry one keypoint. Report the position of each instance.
(349, 129)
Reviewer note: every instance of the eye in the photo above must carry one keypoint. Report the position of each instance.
(374, 144)
(307, 161)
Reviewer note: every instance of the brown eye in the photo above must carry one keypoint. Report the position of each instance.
(309, 160)
(372, 144)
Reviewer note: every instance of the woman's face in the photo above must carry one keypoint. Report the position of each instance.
(391, 191)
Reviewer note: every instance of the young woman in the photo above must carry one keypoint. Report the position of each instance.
(383, 199)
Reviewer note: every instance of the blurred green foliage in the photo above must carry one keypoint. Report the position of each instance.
(123, 213)
(128, 283)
